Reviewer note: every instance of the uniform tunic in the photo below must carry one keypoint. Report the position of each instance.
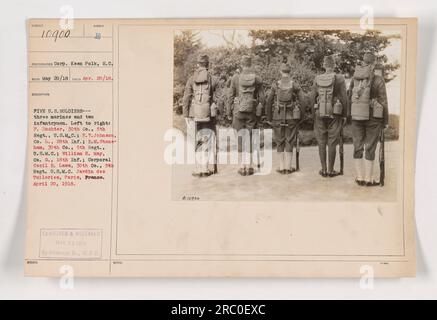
(366, 133)
(327, 130)
(244, 120)
(285, 128)
(204, 129)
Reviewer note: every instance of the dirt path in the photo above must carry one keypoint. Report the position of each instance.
(305, 185)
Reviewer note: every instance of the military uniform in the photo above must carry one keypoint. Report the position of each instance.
(366, 133)
(327, 129)
(285, 118)
(241, 120)
(204, 129)
(245, 119)
(221, 96)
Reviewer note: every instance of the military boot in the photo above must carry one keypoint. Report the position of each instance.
(281, 167)
(288, 162)
(358, 163)
(369, 181)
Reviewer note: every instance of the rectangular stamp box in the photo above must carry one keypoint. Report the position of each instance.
(71, 244)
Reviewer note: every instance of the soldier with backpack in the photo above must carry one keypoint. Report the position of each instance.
(368, 110)
(330, 112)
(284, 110)
(200, 111)
(245, 107)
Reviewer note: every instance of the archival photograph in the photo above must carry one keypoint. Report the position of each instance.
(287, 115)
(222, 148)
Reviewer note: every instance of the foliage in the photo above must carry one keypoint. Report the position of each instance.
(186, 48)
(304, 50)
(309, 47)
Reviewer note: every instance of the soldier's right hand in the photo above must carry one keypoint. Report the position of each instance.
(344, 121)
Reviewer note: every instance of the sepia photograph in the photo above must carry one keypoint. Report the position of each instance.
(288, 115)
(222, 148)
(227, 158)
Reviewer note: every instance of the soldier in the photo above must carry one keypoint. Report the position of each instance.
(284, 111)
(368, 110)
(199, 109)
(229, 106)
(221, 97)
(330, 112)
(245, 99)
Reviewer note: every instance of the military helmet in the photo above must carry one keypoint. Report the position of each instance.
(203, 58)
(369, 58)
(285, 68)
(329, 62)
(246, 61)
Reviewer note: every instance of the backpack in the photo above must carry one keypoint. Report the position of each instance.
(246, 100)
(325, 89)
(361, 101)
(202, 96)
(285, 99)
(285, 93)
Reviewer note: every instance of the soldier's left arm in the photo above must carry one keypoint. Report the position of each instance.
(381, 96)
(300, 96)
(313, 98)
(349, 100)
(342, 94)
(259, 93)
(214, 88)
(231, 94)
(269, 102)
(186, 100)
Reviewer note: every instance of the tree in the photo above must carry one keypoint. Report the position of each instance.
(310, 46)
(186, 48)
(185, 44)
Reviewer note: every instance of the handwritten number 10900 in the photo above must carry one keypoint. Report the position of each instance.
(55, 34)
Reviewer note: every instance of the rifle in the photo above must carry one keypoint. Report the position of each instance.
(341, 151)
(297, 150)
(298, 142)
(382, 159)
(258, 162)
(216, 149)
